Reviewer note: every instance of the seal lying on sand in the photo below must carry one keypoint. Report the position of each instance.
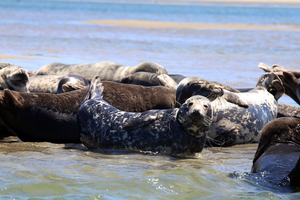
(53, 117)
(233, 124)
(56, 84)
(175, 131)
(278, 152)
(14, 78)
(150, 79)
(107, 71)
(290, 79)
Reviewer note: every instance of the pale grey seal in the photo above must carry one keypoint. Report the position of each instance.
(107, 70)
(14, 78)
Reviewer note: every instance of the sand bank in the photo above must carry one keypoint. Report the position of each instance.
(3, 56)
(178, 25)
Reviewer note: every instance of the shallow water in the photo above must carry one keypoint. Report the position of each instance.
(41, 32)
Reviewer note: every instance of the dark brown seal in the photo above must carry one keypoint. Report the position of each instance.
(277, 156)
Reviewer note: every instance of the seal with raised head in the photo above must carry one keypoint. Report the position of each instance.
(278, 153)
(14, 78)
(150, 79)
(56, 84)
(290, 79)
(233, 124)
(173, 131)
(107, 70)
(50, 117)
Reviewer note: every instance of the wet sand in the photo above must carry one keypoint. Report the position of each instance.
(177, 25)
(3, 56)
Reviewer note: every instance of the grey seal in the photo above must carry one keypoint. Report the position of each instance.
(276, 160)
(233, 124)
(173, 131)
(56, 84)
(107, 70)
(14, 78)
(150, 79)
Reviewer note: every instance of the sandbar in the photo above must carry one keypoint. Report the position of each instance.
(179, 25)
(3, 56)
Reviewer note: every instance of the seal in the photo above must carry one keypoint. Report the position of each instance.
(285, 110)
(107, 70)
(150, 79)
(5, 64)
(14, 78)
(233, 124)
(177, 131)
(38, 117)
(278, 152)
(56, 84)
(197, 86)
(290, 79)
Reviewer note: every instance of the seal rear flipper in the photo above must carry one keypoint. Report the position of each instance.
(265, 67)
(293, 178)
(67, 87)
(235, 99)
(95, 90)
(167, 81)
(138, 122)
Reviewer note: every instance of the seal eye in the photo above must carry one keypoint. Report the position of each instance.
(205, 106)
(190, 104)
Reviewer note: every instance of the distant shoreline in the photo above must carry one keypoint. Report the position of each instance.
(178, 25)
(172, 2)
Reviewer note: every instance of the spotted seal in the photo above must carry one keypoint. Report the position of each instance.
(176, 131)
(278, 153)
(107, 70)
(290, 79)
(50, 117)
(233, 124)
(14, 78)
(150, 79)
(56, 84)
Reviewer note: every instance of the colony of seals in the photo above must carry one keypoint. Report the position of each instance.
(56, 84)
(177, 131)
(14, 78)
(278, 152)
(150, 79)
(50, 117)
(233, 124)
(107, 70)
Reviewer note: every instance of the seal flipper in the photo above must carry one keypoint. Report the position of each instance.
(10, 102)
(265, 67)
(235, 99)
(227, 138)
(138, 122)
(67, 87)
(167, 81)
(293, 178)
(95, 90)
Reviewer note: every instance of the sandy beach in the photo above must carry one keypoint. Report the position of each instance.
(177, 25)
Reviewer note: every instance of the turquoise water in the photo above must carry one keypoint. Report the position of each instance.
(41, 32)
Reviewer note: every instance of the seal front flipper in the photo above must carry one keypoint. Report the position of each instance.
(235, 99)
(265, 67)
(226, 138)
(138, 122)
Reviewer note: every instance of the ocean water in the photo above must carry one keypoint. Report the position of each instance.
(35, 33)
